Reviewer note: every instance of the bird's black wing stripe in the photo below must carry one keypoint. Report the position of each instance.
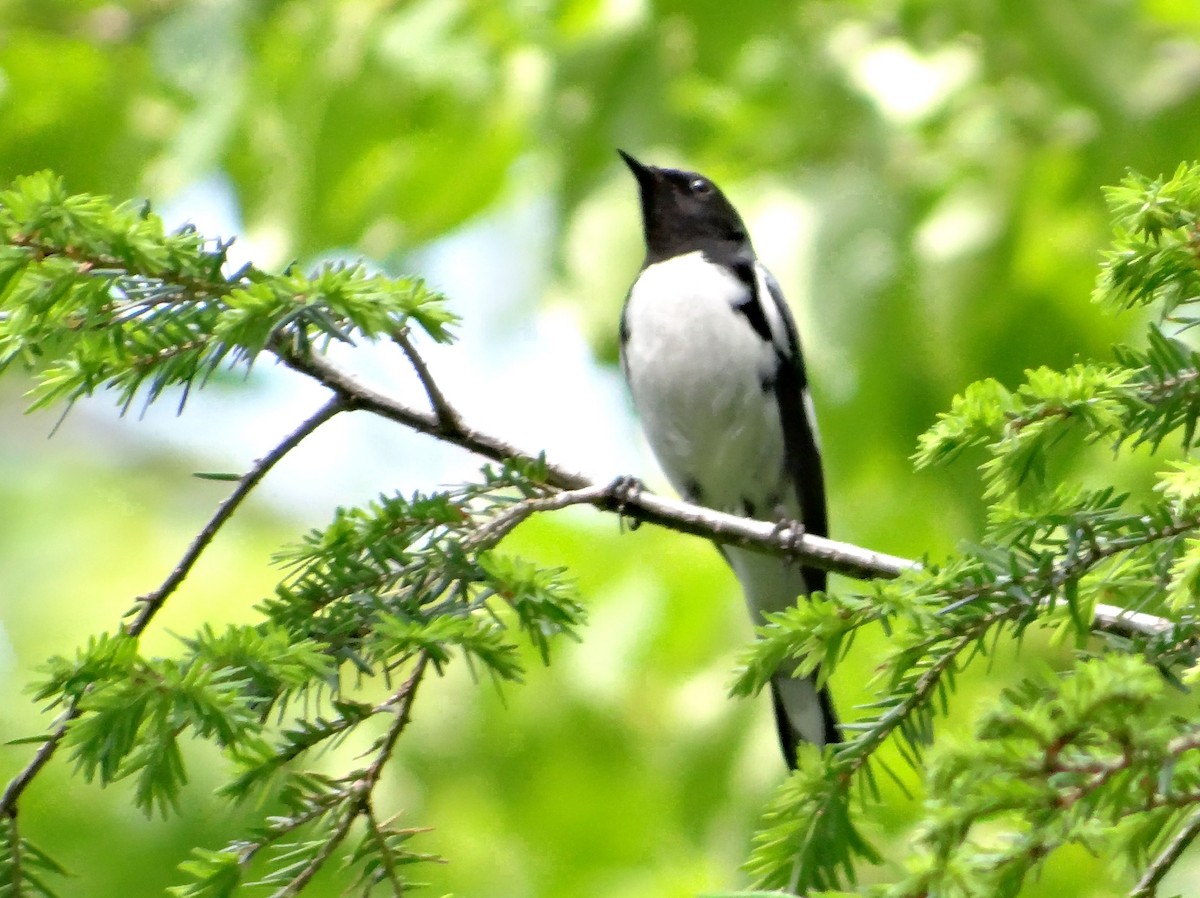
(800, 441)
(751, 306)
(789, 739)
(808, 479)
(832, 732)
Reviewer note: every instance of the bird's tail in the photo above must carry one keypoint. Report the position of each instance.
(803, 713)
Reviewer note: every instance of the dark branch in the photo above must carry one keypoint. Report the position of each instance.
(359, 802)
(150, 604)
(1147, 886)
(19, 783)
(359, 396)
(446, 414)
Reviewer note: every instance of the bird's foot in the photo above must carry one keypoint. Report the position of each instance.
(624, 490)
(790, 533)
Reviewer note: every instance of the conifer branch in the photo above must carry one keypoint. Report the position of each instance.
(640, 505)
(446, 414)
(20, 782)
(1147, 885)
(358, 795)
(359, 396)
(148, 605)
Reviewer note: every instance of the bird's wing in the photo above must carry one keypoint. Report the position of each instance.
(803, 713)
(801, 441)
(798, 699)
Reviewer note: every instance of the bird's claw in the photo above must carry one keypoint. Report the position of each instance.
(790, 533)
(625, 490)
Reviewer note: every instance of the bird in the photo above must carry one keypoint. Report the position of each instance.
(712, 359)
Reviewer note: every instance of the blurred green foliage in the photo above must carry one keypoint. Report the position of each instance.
(924, 176)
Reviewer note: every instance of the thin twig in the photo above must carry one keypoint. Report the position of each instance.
(839, 557)
(385, 851)
(495, 529)
(19, 783)
(360, 396)
(282, 826)
(446, 414)
(332, 841)
(402, 701)
(150, 604)
(696, 520)
(1147, 886)
(765, 536)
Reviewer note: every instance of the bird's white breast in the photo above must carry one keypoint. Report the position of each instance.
(696, 370)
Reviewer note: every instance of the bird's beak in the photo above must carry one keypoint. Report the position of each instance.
(644, 173)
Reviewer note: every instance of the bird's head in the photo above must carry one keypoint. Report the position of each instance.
(684, 211)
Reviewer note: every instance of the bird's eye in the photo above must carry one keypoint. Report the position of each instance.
(700, 186)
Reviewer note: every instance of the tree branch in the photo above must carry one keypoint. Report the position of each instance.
(360, 792)
(147, 606)
(1147, 886)
(640, 505)
(447, 415)
(19, 783)
(359, 396)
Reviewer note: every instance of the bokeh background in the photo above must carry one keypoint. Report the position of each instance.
(924, 178)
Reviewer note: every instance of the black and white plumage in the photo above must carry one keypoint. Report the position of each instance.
(712, 358)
